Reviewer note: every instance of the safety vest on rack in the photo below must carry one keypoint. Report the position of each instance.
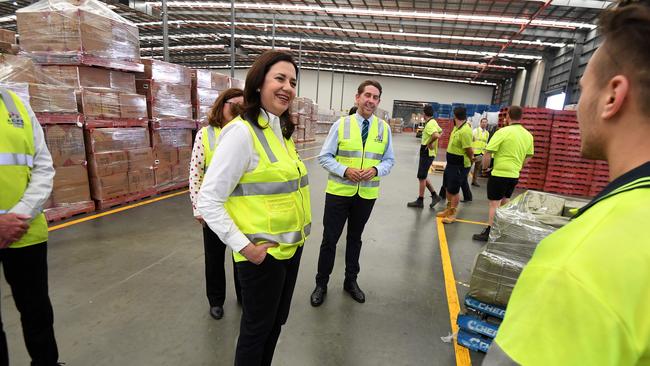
(481, 137)
(17, 152)
(272, 202)
(353, 154)
(209, 140)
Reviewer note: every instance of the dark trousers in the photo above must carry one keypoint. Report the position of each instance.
(267, 289)
(215, 272)
(26, 272)
(338, 209)
(467, 192)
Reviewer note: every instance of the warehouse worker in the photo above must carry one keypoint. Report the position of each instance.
(255, 196)
(224, 109)
(428, 152)
(356, 152)
(459, 161)
(511, 146)
(26, 179)
(583, 298)
(480, 136)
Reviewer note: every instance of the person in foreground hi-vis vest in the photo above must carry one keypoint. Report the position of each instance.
(255, 197)
(357, 151)
(26, 179)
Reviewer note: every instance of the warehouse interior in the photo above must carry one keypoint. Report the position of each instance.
(122, 87)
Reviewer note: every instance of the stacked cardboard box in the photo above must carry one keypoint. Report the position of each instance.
(236, 83)
(172, 150)
(303, 114)
(8, 42)
(206, 87)
(78, 32)
(324, 120)
(91, 77)
(396, 125)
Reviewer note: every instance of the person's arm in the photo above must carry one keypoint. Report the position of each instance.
(197, 170)
(41, 181)
(327, 156)
(487, 159)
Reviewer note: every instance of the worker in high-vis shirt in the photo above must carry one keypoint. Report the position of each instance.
(427, 154)
(26, 179)
(584, 297)
(255, 197)
(480, 136)
(356, 153)
(511, 147)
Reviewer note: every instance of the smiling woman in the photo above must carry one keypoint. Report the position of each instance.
(255, 196)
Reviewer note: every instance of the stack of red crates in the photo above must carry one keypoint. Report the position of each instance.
(447, 125)
(567, 172)
(539, 122)
(600, 177)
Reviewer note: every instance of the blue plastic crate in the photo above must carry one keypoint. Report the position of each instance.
(474, 324)
(489, 309)
(473, 341)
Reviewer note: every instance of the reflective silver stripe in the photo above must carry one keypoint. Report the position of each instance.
(265, 143)
(16, 159)
(380, 136)
(288, 237)
(350, 153)
(304, 181)
(338, 179)
(307, 229)
(212, 137)
(497, 357)
(2, 212)
(346, 128)
(257, 189)
(369, 155)
(369, 183)
(9, 104)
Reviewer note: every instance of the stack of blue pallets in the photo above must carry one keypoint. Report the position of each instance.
(479, 325)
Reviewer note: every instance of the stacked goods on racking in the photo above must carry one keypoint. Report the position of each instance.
(302, 113)
(8, 42)
(78, 32)
(396, 125)
(206, 87)
(172, 152)
(324, 120)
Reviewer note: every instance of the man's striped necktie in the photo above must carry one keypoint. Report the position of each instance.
(364, 131)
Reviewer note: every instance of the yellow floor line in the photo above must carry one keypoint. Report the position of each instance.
(307, 159)
(119, 209)
(472, 222)
(462, 353)
(309, 148)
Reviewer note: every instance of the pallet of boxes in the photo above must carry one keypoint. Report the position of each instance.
(302, 114)
(85, 46)
(207, 85)
(396, 125)
(55, 106)
(518, 228)
(167, 88)
(325, 118)
(8, 42)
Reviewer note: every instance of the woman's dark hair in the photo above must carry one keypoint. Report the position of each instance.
(215, 115)
(255, 80)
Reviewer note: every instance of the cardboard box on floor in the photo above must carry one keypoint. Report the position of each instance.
(70, 185)
(102, 164)
(66, 144)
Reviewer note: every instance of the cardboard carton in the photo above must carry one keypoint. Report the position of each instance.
(70, 185)
(163, 175)
(165, 155)
(108, 163)
(132, 106)
(172, 138)
(165, 72)
(116, 139)
(66, 144)
(141, 180)
(49, 98)
(109, 186)
(140, 159)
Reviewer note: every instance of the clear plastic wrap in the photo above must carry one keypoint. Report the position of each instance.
(116, 139)
(77, 32)
(105, 103)
(166, 72)
(66, 144)
(302, 105)
(91, 77)
(141, 180)
(172, 138)
(181, 172)
(52, 99)
(102, 164)
(109, 186)
(7, 36)
(518, 228)
(208, 79)
(236, 83)
(140, 159)
(202, 100)
(70, 185)
(163, 176)
(166, 101)
(164, 155)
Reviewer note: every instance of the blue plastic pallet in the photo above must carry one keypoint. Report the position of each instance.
(485, 308)
(474, 324)
(474, 342)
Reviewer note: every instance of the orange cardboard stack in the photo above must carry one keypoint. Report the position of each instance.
(206, 87)
(78, 32)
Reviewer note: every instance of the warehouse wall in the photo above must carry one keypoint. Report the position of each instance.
(393, 89)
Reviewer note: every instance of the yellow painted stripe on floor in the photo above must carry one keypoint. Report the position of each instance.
(307, 159)
(119, 209)
(472, 222)
(309, 148)
(462, 353)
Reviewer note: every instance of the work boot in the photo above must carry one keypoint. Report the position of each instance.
(483, 236)
(451, 216)
(419, 203)
(434, 200)
(445, 212)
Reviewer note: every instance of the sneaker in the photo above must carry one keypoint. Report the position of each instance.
(434, 200)
(451, 216)
(445, 212)
(419, 203)
(483, 236)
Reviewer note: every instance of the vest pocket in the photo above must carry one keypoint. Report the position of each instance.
(282, 214)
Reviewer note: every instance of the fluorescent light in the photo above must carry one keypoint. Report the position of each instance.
(444, 16)
(8, 18)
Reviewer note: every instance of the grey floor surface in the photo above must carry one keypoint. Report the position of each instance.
(128, 288)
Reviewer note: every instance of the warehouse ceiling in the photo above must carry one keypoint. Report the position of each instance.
(467, 41)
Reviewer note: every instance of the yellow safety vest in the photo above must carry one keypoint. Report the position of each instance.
(209, 140)
(353, 154)
(272, 202)
(480, 140)
(17, 152)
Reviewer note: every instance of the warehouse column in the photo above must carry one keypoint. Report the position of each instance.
(232, 38)
(332, 89)
(317, 78)
(518, 90)
(299, 62)
(273, 33)
(165, 32)
(342, 90)
(535, 81)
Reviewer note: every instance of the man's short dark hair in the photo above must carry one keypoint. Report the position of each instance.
(428, 110)
(515, 112)
(625, 28)
(363, 85)
(460, 113)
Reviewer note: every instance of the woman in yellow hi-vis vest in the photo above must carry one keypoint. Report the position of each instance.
(26, 179)
(255, 196)
(224, 109)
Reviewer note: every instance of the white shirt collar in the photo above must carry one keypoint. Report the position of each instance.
(272, 118)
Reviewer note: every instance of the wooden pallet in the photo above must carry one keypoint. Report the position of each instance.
(65, 212)
(120, 200)
(172, 187)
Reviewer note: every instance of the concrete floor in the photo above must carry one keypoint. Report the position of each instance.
(128, 288)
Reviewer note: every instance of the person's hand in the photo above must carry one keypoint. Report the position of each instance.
(368, 174)
(256, 253)
(12, 228)
(200, 220)
(430, 146)
(353, 174)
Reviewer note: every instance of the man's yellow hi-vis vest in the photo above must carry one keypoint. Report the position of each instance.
(480, 140)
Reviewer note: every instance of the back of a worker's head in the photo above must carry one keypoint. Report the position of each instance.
(460, 113)
(615, 88)
(428, 110)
